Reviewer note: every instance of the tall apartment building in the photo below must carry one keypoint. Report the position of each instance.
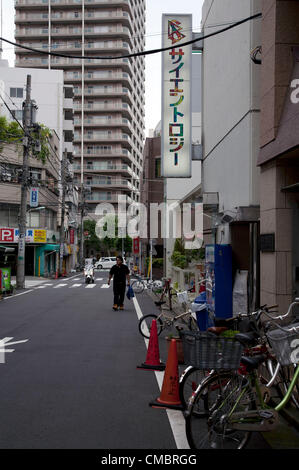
(109, 93)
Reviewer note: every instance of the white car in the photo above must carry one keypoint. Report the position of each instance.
(105, 263)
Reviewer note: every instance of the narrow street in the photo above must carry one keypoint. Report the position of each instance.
(74, 383)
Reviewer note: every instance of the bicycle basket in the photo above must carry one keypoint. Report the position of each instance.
(283, 344)
(207, 351)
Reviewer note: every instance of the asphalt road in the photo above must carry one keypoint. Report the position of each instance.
(74, 383)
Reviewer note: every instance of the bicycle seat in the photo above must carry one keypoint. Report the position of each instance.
(252, 363)
(159, 303)
(217, 330)
(246, 339)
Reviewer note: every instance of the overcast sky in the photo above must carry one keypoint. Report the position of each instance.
(154, 10)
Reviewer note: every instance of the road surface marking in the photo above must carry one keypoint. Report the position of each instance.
(16, 295)
(78, 279)
(75, 285)
(105, 286)
(16, 342)
(7, 342)
(99, 279)
(60, 285)
(40, 287)
(90, 286)
(49, 284)
(176, 419)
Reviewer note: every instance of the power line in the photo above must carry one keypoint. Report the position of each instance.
(136, 54)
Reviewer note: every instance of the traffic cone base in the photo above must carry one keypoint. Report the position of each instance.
(169, 397)
(152, 361)
(145, 366)
(158, 404)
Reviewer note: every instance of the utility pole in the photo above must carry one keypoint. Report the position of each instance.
(27, 115)
(62, 233)
(82, 225)
(151, 258)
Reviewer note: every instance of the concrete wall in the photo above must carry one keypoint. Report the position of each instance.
(46, 90)
(231, 104)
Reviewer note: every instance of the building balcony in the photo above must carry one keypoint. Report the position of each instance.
(124, 154)
(39, 4)
(104, 167)
(76, 47)
(61, 17)
(123, 124)
(112, 198)
(124, 93)
(111, 184)
(123, 108)
(95, 77)
(122, 139)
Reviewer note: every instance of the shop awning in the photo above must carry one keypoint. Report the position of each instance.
(6, 249)
(51, 247)
(293, 188)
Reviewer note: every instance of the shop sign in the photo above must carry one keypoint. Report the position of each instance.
(72, 236)
(40, 236)
(7, 235)
(176, 147)
(34, 197)
(136, 246)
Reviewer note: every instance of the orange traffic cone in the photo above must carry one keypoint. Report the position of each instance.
(152, 361)
(169, 397)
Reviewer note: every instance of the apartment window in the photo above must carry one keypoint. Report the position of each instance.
(33, 219)
(16, 92)
(76, 14)
(4, 217)
(17, 113)
(157, 167)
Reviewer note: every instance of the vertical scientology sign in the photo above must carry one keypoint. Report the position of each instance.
(176, 139)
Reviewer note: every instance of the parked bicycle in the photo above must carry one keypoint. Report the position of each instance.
(229, 405)
(192, 376)
(166, 320)
(141, 284)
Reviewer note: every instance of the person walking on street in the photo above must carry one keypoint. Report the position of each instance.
(120, 272)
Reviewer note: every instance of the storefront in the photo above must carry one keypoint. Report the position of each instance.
(46, 257)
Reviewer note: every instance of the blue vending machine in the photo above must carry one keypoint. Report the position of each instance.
(219, 285)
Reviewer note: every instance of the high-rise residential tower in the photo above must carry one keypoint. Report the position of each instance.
(108, 93)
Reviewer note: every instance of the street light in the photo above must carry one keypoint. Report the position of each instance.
(36, 209)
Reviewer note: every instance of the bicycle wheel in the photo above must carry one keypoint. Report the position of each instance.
(145, 324)
(265, 373)
(206, 426)
(138, 286)
(189, 381)
(287, 374)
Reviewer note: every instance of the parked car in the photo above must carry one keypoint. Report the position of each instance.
(106, 262)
